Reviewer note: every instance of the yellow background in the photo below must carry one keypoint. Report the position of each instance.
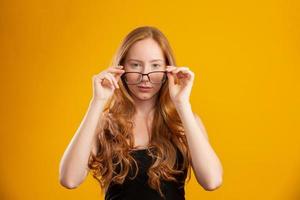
(245, 55)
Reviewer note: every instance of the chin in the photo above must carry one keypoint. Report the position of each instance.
(144, 96)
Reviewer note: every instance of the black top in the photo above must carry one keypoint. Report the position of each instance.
(138, 188)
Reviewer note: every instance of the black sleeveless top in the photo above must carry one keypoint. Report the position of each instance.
(138, 188)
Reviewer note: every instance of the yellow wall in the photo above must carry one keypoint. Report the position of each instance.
(245, 56)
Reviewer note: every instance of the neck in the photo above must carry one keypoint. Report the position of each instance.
(144, 108)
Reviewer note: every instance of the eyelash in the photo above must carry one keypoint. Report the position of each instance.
(134, 64)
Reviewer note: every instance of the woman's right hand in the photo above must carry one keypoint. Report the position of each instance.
(106, 82)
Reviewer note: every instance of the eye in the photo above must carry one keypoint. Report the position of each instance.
(156, 65)
(134, 64)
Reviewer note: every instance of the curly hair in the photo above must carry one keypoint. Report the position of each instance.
(115, 127)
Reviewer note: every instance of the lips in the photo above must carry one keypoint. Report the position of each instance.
(145, 87)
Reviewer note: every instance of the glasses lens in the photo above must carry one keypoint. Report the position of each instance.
(132, 77)
(157, 77)
(135, 78)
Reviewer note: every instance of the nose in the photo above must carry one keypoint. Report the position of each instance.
(145, 78)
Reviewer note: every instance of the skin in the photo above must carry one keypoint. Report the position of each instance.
(144, 56)
(139, 58)
(205, 163)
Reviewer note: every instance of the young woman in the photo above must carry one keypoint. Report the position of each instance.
(139, 136)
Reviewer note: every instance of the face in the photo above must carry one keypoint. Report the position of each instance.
(145, 56)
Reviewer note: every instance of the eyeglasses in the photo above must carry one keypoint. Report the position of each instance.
(155, 77)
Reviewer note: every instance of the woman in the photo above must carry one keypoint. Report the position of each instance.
(139, 136)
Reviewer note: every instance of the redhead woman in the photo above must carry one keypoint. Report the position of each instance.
(139, 137)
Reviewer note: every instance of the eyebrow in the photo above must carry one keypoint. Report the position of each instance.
(142, 61)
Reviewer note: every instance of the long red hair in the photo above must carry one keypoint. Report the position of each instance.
(115, 136)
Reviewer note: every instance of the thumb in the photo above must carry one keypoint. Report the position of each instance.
(119, 74)
(171, 79)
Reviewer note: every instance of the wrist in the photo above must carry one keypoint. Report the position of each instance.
(97, 102)
(181, 106)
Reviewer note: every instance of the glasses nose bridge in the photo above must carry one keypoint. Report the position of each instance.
(145, 74)
(131, 80)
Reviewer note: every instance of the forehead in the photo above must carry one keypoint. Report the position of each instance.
(145, 50)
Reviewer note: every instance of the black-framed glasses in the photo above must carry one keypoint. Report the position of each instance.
(155, 77)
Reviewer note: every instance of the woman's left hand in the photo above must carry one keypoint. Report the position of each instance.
(180, 84)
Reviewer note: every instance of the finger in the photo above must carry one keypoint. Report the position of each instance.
(117, 67)
(120, 67)
(109, 79)
(170, 68)
(184, 74)
(114, 80)
(170, 79)
(120, 74)
(182, 69)
(115, 70)
(186, 71)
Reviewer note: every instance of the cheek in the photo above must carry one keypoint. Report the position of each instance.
(158, 87)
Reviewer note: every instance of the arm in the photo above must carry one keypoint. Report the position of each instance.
(73, 167)
(205, 163)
